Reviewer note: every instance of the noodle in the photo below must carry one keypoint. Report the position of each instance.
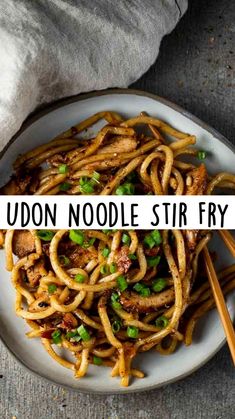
(105, 296)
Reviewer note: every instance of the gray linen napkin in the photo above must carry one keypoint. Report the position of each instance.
(51, 49)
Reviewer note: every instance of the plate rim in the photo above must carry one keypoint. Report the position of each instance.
(36, 115)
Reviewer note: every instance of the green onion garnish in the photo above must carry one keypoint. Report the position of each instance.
(132, 256)
(115, 301)
(76, 236)
(122, 284)
(162, 322)
(132, 332)
(149, 241)
(156, 235)
(116, 326)
(105, 252)
(145, 292)
(159, 284)
(71, 334)
(201, 155)
(63, 168)
(125, 189)
(45, 235)
(153, 239)
(87, 188)
(138, 287)
(52, 288)
(64, 260)
(153, 261)
(56, 337)
(113, 268)
(83, 332)
(104, 270)
(142, 289)
(65, 186)
(126, 239)
(97, 360)
(79, 278)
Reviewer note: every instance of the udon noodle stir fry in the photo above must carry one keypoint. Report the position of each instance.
(105, 296)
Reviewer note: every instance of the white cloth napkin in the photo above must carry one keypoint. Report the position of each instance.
(51, 49)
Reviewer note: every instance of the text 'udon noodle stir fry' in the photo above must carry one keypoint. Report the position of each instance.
(106, 296)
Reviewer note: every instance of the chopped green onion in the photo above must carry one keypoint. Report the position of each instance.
(132, 256)
(132, 332)
(105, 252)
(77, 338)
(52, 288)
(64, 260)
(64, 186)
(162, 322)
(142, 289)
(86, 188)
(106, 231)
(126, 239)
(145, 292)
(112, 268)
(97, 360)
(153, 239)
(45, 235)
(115, 301)
(56, 337)
(116, 326)
(79, 278)
(83, 332)
(122, 284)
(76, 236)
(159, 284)
(153, 261)
(125, 189)
(63, 168)
(156, 235)
(149, 241)
(104, 270)
(138, 287)
(89, 243)
(95, 175)
(201, 155)
(71, 334)
(116, 305)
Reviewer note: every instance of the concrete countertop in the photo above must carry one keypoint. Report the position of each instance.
(195, 69)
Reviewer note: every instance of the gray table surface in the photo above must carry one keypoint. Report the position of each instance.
(195, 69)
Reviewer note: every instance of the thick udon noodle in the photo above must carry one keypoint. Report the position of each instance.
(145, 162)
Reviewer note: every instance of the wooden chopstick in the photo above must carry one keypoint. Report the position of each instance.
(220, 303)
(228, 240)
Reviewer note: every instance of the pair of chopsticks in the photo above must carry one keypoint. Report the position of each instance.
(217, 292)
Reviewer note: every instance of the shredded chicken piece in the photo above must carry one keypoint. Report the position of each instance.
(132, 301)
(35, 273)
(23, 243)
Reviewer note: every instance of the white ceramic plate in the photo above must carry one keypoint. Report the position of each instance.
(209, 336)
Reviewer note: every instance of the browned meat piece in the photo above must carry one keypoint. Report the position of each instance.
(199, 181)
(120, 145)
(152, 252)
(23, 243)
(35, 273)
(16, 186)
(69, 321)
(21, 183)
(132, 301)
(79, 257)
(122, 260)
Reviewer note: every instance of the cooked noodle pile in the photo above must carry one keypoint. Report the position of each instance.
(105, 296)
